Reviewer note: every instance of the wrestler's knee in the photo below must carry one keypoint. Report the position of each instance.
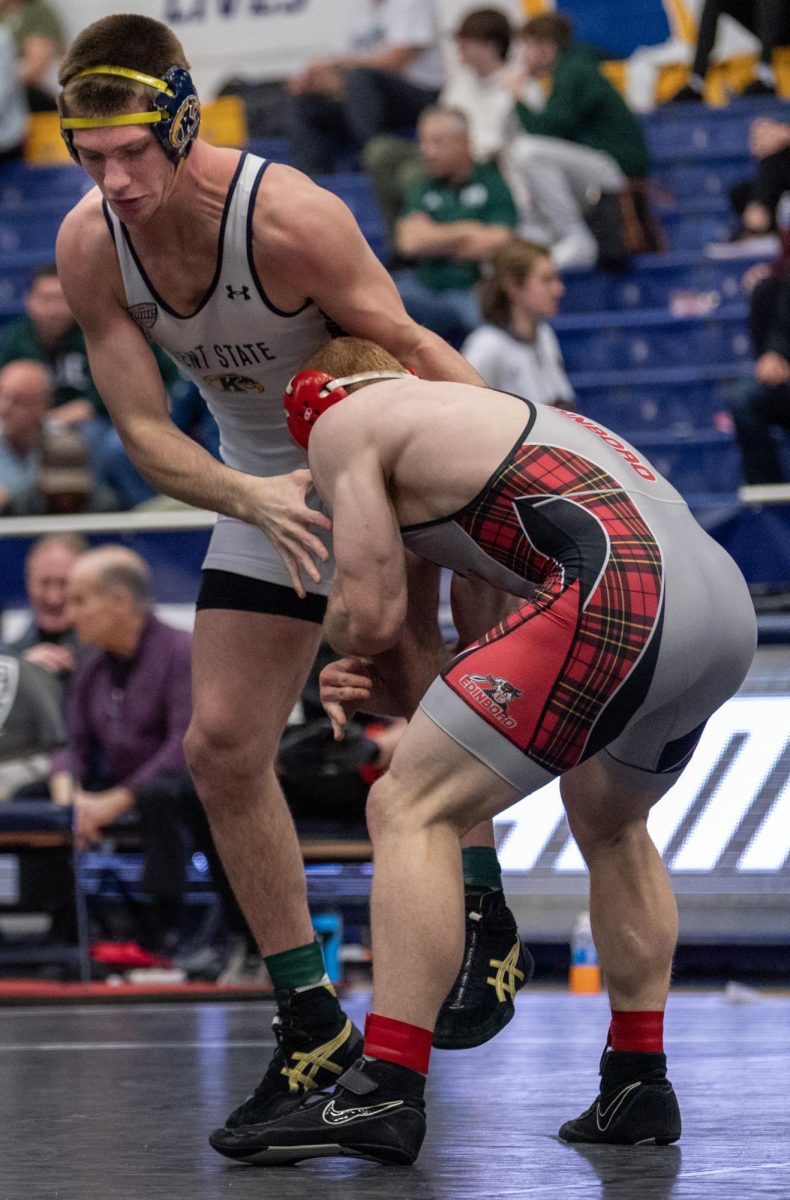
(227, 747)
(389, 811)
(601, 813)
(623, 836)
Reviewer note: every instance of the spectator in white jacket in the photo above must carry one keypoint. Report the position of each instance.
(516, 350)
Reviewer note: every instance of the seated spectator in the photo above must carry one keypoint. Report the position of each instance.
(13, 103)
(48, 643)
(762, 406)
(769, 20)
(340, 103)
(44, 466)
(583, 143)
(25, 403)
(49, 334)
(31, 723)
(128, 709)
(756, 200)
(478, 86)
(48, 640)
(517, 350)
(64, 482)
(38, 35)
(455, 216)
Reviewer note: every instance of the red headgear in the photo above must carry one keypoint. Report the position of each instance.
(310, 393)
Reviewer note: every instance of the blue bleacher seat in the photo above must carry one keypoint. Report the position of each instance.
(275, 148)
(22, 183)
(676, 400)
(652, 338)
(15, 273)
(700, 177)
(651, 281)
(20, 235)
(673, 129)
(704, 462)
(687, 229)
(356, 190)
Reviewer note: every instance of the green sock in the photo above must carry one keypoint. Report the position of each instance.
(481, 868)
(301, 967)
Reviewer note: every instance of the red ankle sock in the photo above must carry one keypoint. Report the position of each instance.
(639, 1032)
(398, 1042)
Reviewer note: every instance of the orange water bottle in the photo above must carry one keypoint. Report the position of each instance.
(585, 970)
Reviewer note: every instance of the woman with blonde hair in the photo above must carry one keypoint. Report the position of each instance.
(516, 350)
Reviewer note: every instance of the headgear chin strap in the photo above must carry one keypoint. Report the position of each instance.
(311, 393)
(176, 118)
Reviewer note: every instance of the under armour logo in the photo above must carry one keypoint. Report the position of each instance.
(233, 293)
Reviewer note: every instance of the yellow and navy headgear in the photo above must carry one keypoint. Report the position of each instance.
(176, 118)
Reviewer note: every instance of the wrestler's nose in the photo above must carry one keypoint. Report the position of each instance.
(116, 177)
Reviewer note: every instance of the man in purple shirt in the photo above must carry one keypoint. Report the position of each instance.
(128, 709)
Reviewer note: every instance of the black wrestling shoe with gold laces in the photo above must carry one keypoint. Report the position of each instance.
(496, 965)
(316, 1042)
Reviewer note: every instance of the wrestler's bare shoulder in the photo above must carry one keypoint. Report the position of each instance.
(87, 262)
(84, 230)
(291, 209)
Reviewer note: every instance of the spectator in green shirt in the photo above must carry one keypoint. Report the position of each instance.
(584, 141)
(455, 216)
(49, 334)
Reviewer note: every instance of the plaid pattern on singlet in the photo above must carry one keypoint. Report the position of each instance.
(603, 638)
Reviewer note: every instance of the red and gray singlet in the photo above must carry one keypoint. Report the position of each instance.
(603, 551)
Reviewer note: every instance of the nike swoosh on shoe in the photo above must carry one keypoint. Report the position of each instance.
(604, 1117)
(343, 1116)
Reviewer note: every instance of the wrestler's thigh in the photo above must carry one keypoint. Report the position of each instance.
(248, 671)
(435, 779)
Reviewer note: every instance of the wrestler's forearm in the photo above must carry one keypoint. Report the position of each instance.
(178, 466)
(432, 358)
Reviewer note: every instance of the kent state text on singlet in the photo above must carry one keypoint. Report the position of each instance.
(240, 351)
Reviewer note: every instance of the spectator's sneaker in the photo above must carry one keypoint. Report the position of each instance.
(376, 1111)
(686, 95)
(758, 87)
(316, 1042)
(496, 965)
(637, 1105)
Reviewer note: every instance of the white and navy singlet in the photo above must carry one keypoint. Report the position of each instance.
(240, 351)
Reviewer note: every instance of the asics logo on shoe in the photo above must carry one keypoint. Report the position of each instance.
(343, 1116)
(303, 1075)
(605, 1116)
(504, 982)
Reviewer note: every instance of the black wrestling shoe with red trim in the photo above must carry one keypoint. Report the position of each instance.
(376, 1111)
(316, 1043)
(637, 1105)
(496, 965)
